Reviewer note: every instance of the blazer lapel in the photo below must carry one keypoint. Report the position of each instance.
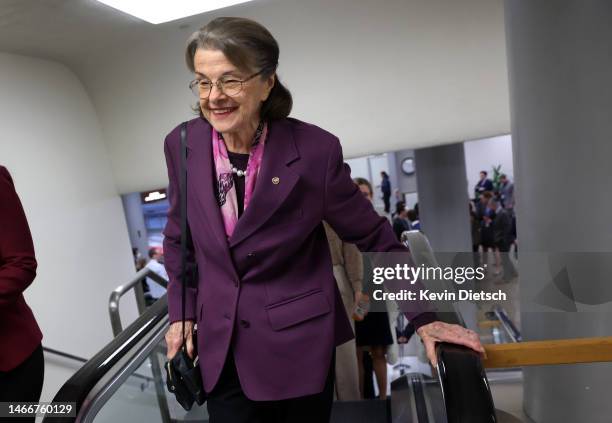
(201, 178)
(274, 182)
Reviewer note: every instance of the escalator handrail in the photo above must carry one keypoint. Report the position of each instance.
(549, 352)
(121, 290)
(63, 354)
(422, 253)
(463, 381)
(465, 388)
(77, 388)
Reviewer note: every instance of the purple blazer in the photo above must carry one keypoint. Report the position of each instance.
(269, 289)
(19, 332)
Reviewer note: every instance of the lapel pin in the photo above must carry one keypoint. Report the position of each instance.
(276, 180)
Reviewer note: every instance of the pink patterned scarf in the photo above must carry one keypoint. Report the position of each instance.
(226, 190)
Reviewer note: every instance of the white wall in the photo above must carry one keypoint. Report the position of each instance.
(446, 59)
(485, 153)
(407, 183)
(53, 146)
(360, 168)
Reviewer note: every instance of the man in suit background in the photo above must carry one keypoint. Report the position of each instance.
(484, 184)
(506, 192)
(502, 236)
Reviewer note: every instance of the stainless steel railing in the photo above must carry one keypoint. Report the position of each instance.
(136, 284)
(113, 308)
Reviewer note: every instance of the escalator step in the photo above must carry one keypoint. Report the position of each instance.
(366, 411)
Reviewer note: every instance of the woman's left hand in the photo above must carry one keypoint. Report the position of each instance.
(444, 332)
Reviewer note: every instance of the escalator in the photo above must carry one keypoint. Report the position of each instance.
(124, 382)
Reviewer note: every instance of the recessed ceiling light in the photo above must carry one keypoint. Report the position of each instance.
(157, 12)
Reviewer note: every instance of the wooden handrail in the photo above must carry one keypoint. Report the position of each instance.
(539, 353)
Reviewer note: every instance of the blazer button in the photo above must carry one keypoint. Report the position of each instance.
(245, 324)
(227, 316)
(251, 255)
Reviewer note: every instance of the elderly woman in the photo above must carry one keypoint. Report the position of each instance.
(259, 185)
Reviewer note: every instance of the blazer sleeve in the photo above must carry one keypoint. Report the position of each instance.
(172, 245)
(353, 264)
(354, 219)
(17, 260)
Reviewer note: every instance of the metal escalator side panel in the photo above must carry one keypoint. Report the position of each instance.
(434, 398)
(419, 399)
(416, 398)
(79, 388)
(466, 390)
(402, 401)
(507, 324)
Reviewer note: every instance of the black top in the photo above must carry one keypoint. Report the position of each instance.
(240, 161)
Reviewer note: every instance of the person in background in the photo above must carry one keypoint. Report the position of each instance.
(413, 219)
(136, 255)
(348, 272)
(385, 187)
(22, 364)
(156, 260)
(141, 263)
(506, 195)
(403, 330)
(475, 232)
(502, 237)
(400, 221)
(399, 197)
(487, 235)
(373, 333)
(483, 184)
(506, 192)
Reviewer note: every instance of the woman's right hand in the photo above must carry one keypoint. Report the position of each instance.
(174, 338)
(435, 332)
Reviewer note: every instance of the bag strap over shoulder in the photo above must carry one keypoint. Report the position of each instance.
(183, 199)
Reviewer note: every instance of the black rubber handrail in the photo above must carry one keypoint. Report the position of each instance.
(77, 388)
(84, 360)
(464, 384)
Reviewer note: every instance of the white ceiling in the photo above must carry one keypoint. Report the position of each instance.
(381, 74)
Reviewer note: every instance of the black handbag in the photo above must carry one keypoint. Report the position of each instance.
(183, 377)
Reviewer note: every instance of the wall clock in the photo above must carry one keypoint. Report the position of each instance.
(408, 166)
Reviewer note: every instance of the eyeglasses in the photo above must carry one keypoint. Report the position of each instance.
(231, 87)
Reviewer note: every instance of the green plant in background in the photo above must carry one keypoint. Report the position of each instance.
(496, 174)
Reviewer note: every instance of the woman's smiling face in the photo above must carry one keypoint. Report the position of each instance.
(236, 113)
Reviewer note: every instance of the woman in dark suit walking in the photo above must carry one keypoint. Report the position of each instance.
(259, 186)
(21, 358)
